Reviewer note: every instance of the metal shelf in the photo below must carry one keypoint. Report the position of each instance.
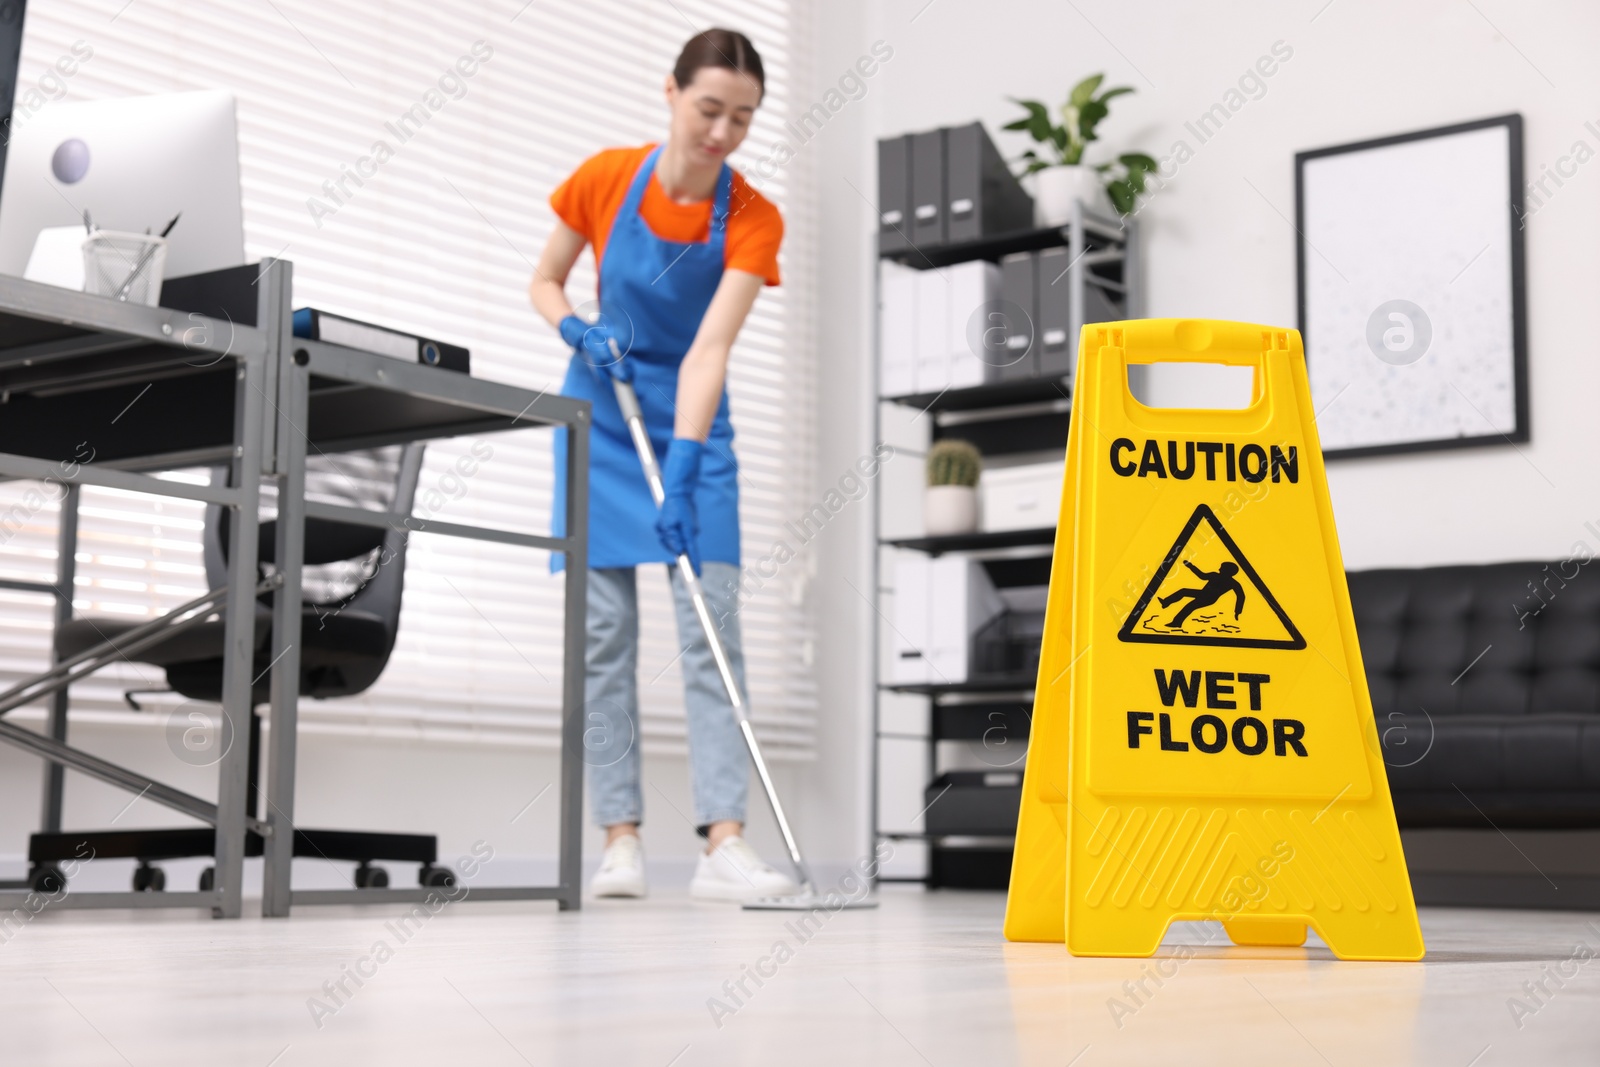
(991, 395)
(1015, 685)
(1099, 231)
(975, 542)
(952, 841)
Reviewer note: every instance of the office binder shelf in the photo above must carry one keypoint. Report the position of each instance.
(1099, 233)
(995, 320)
(982, 541)
(999, 686)
(989, 395)
(965, 840)
(1020, 412)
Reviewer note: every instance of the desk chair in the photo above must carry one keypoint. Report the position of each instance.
(352, 589)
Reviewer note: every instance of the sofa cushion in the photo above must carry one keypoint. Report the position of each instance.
(1485, 685)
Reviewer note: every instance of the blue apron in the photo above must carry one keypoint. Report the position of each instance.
(659, 290)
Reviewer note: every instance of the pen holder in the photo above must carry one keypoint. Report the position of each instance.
(124, 266)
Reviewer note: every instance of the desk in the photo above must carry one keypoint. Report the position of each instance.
(336, 398)
(152, 389)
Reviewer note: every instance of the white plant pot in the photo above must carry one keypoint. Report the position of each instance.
(1055, 189)
(949, 509)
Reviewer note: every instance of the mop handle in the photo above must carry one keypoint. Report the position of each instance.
(628, 401)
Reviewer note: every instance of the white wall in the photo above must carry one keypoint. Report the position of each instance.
(1219, 241)
(832, 812)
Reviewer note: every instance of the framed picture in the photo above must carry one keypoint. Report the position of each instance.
(1411, 278)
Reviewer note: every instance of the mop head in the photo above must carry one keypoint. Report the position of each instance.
(810, 901)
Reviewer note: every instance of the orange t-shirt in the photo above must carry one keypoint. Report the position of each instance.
(588, 202)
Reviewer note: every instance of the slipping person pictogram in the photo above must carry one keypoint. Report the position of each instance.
(1207, 615)
(1218, 584)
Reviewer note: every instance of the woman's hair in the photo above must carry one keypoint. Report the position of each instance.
(728, 49)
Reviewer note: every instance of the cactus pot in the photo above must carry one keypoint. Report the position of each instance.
(949, 509)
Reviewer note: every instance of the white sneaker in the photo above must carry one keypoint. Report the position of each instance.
(736, 872)
(621, 872)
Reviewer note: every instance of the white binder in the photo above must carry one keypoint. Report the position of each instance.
(973, 291)
(897, 329)
(962, 601)
(933, 331)
(911, 603)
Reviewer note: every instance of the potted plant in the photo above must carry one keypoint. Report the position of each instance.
(1057, 170)
(950, 502)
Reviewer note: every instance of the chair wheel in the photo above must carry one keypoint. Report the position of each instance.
(47, 879)
(148, 879)
(369, 877)
(439, 877)
(208, 879)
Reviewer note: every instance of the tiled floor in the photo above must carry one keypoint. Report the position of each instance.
(925, 979)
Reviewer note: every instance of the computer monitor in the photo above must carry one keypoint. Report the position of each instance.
(133, 163)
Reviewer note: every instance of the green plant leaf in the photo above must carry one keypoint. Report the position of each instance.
(1069, 143)
(1122, 196)
(1138, 161)
(1032, 162)
(1037, 121)
(1089, 117)
(1033, 107)
(1083, 92)
(1118, 91)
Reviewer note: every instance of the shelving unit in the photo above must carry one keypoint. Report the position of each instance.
(991, 714)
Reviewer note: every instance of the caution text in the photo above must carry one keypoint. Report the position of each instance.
(1224, 461)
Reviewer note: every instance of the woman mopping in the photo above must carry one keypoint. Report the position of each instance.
(684, 246)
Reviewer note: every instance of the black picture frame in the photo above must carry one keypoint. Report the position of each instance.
(1518, 275)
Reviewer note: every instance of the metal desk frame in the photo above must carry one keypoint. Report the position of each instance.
(274, 372)
(110, 325)
(476, 398)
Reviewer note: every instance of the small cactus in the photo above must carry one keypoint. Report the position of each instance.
(953, 462)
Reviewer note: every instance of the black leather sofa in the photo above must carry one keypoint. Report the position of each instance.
(1485, 686)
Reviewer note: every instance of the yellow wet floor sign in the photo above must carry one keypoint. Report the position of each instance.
(1203, 744)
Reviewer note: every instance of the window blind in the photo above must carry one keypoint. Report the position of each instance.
(440, 236)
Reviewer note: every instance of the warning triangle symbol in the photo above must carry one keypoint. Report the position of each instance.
(1206, 593)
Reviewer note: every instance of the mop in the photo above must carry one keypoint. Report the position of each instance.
(808, 898)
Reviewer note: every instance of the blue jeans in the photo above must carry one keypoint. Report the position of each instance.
(719, 767)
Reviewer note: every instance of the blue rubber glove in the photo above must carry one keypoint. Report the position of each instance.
(677, 525)
(593, 341)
